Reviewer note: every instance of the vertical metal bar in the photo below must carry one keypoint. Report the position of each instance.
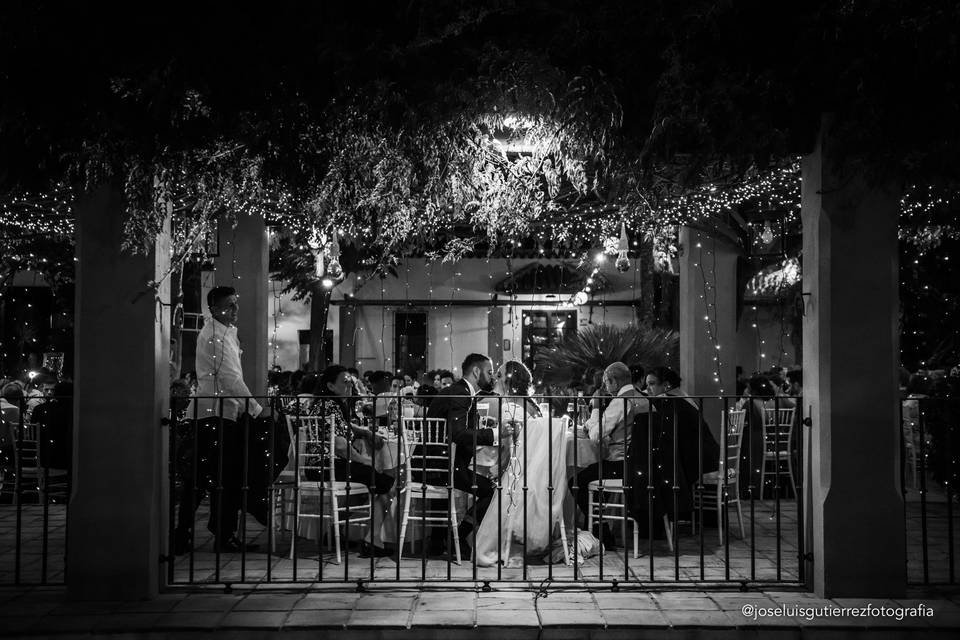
(296, 492)
(244, 490)
(923, 403)
(801, 457)
(271, 487)
(750, 468)
(348, 511)
(525, 487)
(424, 436)
(372, 524)
(650, 488)
(698, 487)
(723, 520)
(194, 490)
(951, 477)
(401, 468)
(473, 453)
(776, 478)
(219, 491)
(172, 488)
(576, 488)
(550, 488)
(676, 492)
(499, 490)
(18, 493)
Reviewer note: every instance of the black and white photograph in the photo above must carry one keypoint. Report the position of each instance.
(479, 319)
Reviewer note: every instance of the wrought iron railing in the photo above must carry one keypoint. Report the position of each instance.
(929, 467)
(662, 471)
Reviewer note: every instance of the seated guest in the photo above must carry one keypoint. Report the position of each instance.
(334, 390)
(424, 397)
(11, 397)
(639, 378)
(386, 402)
(55, 420)
(608, 429)
(446, 379)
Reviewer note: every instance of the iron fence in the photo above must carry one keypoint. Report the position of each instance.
(554, 474)
(928, 464)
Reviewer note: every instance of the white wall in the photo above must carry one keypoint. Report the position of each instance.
(472, 279)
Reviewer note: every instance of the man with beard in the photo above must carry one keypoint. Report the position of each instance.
(457, 405)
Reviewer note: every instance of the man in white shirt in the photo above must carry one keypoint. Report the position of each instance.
(610, 431)
(222, 398)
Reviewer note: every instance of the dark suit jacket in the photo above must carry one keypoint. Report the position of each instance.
(462, 418)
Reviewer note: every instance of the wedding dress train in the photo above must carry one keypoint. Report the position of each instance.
(503, 524)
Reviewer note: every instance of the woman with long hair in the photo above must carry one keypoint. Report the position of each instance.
(332, 393)
(527, 466)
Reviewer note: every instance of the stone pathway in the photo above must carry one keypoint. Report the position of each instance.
(442, 613)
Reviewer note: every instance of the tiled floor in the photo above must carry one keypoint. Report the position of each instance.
(763, 556)
(44, 610)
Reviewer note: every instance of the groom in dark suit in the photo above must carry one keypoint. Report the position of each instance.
(457, 405)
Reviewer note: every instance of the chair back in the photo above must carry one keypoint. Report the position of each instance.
(730, 460)
(777, 429)
(428, 452)
(313, 438)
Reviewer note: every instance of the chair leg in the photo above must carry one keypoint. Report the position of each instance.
(721, 513)
(403, 525)
(636, 539)
(667, 531)
(590, 506)
(793, 483)
(740, 519)
(563, 540)
(335, 511)
(455, 527)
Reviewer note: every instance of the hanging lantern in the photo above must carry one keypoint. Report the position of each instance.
(334, 270)
(580, 298)
(623, 262)
(766, 236)
(318, 263)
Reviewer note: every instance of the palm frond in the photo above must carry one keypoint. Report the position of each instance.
(600, 345)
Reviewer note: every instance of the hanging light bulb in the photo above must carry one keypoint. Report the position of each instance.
(580, 298)
(623, 262)
(318, 263)
(766, 236)
(334, 270)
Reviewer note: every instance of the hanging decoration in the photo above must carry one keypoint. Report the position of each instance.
(315, 242)
(334, 269)
(623, 262)
(766, 236)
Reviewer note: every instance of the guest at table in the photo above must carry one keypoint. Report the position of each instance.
(423, 399)
(639, 378)
(334, 389)
(697, 449)
(11, 398)
(607, 428)
(457, 405)
(55, 435)
(385, 405)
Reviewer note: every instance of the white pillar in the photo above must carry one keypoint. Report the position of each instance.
(850, 358)
(243, 264)
(708, 280)
(116, 516)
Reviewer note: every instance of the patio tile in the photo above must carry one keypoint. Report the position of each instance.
(318, 618)
(254, 619)
(207, 602)
(693, 619)
(379, 618)
(492, 617)
(446, 601)
(443, 618)
(634, 618)
(549, 604)
(18, 624)
(60, 624)
(382, 602)
(190, 620)
(573, 618)
(643, 601)
(327, 601)
(683, 601)
(271, 602)
(128, 622)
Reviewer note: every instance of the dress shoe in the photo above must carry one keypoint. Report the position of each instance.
(233, 545)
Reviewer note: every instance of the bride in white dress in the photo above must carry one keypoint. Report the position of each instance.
(528, 450)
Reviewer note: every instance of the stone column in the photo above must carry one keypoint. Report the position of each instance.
(117, 513)
(243, 264)
(850, 357)
(708, 280)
